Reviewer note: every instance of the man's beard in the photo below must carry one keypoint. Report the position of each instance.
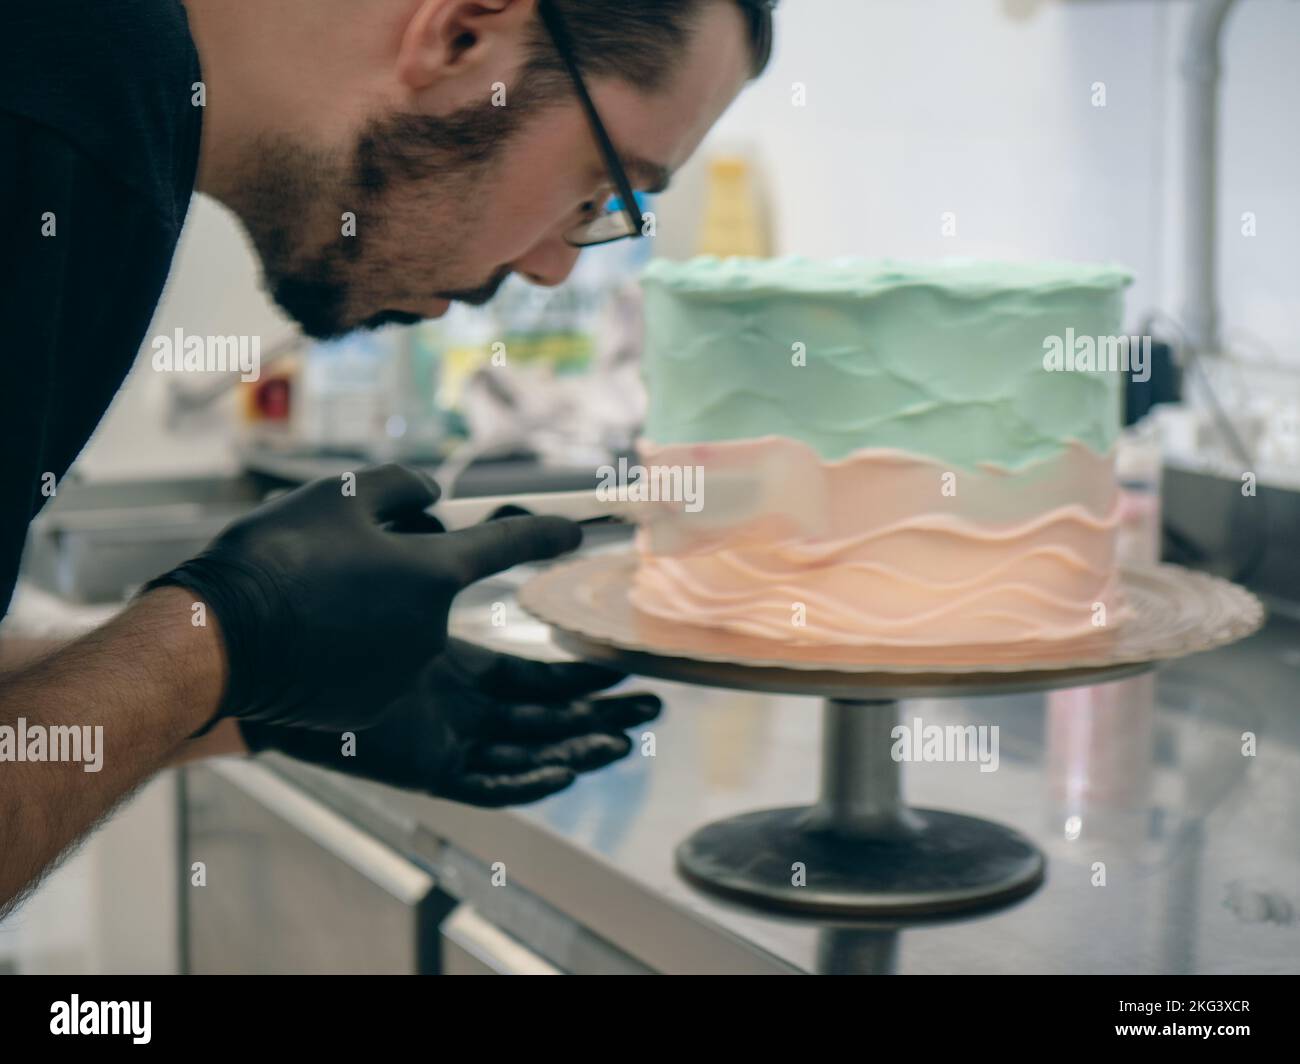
(325, 288)
(475, 297)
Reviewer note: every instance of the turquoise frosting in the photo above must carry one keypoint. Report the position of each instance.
(941, 359)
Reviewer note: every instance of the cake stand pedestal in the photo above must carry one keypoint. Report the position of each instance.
(860, 850)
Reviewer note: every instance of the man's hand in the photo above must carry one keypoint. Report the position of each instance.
(481, 728)
(329, 604)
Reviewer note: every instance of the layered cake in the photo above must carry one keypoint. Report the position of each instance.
(896, 453)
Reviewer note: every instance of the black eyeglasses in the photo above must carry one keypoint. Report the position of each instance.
(615, 223)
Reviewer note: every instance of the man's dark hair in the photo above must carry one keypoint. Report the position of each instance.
(635, 40)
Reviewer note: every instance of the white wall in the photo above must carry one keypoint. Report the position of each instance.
(214, 289)
(916, 107)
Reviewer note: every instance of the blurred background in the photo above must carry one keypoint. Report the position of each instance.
(1063, 129)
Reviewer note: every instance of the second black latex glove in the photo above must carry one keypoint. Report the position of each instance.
(331, 602)
(481, 728)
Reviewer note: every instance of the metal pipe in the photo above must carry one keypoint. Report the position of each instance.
(1200, 69)
(861, 784)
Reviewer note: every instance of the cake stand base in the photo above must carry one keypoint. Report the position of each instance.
(954, 863)
(859, 851)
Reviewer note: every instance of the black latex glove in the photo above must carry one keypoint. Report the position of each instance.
(329, 605)
(482, 728)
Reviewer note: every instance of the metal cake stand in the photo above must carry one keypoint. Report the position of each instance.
(860, 850)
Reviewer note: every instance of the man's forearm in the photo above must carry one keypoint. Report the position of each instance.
(224, 740)
(83, 727)
(17, 651)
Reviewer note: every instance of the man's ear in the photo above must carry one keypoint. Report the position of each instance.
(448, 38)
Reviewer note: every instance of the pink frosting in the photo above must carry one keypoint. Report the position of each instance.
(883, 547)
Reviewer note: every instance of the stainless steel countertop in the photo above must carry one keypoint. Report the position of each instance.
(1200, 844)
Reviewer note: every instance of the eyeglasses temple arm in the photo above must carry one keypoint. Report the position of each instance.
(559, 33)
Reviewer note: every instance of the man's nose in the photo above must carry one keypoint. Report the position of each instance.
(548, 263)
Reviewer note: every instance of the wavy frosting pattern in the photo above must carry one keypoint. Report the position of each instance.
(943, 358)
(877, 552)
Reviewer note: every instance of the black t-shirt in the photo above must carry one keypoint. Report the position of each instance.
(99, 146)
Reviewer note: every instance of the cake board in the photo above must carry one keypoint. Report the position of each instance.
(862, 850)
